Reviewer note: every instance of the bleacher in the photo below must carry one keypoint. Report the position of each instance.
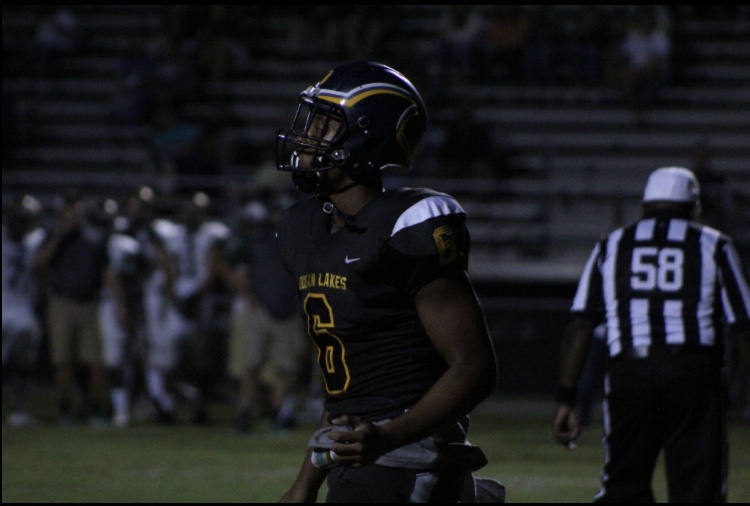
(587, 155)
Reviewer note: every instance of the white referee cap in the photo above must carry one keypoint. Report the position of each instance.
(672, 184)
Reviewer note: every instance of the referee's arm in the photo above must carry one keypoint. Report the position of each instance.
(574, 348)
(735, 297)
(573, 351)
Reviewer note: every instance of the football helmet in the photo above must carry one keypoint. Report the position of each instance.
(363, 117)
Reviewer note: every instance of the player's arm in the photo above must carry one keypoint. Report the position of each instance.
(735, 296)
(309, 479)
(454, 321)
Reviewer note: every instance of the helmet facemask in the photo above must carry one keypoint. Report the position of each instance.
(313, 143)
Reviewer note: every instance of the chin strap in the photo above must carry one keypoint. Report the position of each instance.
(349, 221)
(323, 195)
(343, 189)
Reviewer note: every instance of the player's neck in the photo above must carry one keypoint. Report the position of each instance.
(353, 199)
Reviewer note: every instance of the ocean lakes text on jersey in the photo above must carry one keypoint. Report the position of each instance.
(322, 280)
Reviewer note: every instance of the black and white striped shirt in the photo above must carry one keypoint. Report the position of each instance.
(664, 281)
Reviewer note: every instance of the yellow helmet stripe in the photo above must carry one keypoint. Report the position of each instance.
(362, 93)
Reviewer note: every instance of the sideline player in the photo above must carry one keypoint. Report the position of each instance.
(401, 337)
(665, 286)
(117, 318)
(266, 339)
(22, 326)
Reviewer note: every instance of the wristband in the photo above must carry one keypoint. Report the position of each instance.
(566, 395)
(323, 459)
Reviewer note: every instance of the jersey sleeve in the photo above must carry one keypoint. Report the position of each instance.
(735, 290)
(588, 300)
(122, 249)
(218, 232)
(429, 240)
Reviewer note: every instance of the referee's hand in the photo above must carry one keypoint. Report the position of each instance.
(565, 426)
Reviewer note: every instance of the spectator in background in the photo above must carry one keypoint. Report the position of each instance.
(22, 325)
(74, 264)
(57, 36)
(543, 47)
(461, 30)
(10, 130)
(506, 43)
(716, 201)
(582, 63)
(132, 101)
(172, 140)
(267, 337)
(172, 78)
(646, 54)
(467, 147)
(212, 50)
(469, 150)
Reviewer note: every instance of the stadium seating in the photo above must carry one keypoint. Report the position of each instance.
(585, 155)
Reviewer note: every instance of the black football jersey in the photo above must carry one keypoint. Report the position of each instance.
(356, 288)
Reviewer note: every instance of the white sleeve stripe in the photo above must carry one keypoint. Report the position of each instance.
(430, 207)
(708, 242)
(728, 310)
(579, 302)
(610, 296)
(734, 262)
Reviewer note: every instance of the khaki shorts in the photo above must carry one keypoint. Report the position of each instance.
(258, 341)
(74, 332)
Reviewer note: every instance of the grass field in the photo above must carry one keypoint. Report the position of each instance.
(147, 463)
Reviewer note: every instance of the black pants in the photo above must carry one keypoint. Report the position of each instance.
(672, 403)
(379, 484)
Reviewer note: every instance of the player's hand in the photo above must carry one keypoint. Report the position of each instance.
(361, 445)
(565, 426)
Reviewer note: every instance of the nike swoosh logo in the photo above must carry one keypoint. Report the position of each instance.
(350, 260)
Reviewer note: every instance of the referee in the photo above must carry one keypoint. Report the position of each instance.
(664, 286)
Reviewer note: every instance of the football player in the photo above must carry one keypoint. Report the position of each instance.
(195, 253)
(22, 328)
(116, 316)
(382, 283)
